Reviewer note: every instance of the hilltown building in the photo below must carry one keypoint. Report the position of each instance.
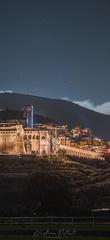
(17, 136)
(14, 139)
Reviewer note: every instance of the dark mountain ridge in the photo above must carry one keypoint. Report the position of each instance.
(61, 111)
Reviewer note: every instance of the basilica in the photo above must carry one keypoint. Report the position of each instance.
(15, 139)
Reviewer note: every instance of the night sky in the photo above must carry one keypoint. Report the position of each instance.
(56, 48)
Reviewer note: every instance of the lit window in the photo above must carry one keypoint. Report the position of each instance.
(25, 137)
(43, 137)
(37, 137)
(29, 137)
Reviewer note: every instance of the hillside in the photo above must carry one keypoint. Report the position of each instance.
(8, 114)
(59, 185)
(60, 111)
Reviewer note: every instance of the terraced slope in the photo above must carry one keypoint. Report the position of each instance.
(59, 185)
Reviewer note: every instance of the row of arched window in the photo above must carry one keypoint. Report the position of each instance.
(33, 137)
(79, 154)
(5, 132)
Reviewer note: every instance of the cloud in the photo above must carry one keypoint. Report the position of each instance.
(87, 103)
(66, 99)
(102, 108)
(7, 91)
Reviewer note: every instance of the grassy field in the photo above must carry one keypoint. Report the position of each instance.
(66, 238)
(28, 232)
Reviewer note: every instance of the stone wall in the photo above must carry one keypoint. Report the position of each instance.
(80, 152)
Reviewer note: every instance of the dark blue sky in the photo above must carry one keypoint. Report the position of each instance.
(56, 48)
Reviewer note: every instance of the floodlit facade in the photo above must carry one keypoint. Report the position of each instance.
(14, 139)
(37, 141)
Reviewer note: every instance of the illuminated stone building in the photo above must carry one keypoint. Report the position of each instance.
(37, 141)
(11, 139)
(14, 139)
